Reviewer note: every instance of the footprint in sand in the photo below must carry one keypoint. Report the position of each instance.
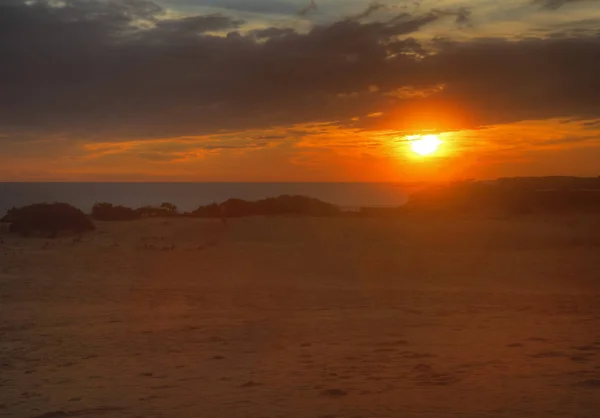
(580, 358)
(590, 383)
(250, 384)
(514, 345)
(149, 398)
(422, 368)
(548, 354)
(414, 355)
(424, 374)
(60, 414)
(67, 364)
(385, 350)
(53, 414)
(590, 347)
(334, 393)
(90, 356)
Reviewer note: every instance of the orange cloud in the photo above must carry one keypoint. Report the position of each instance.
(318, 152)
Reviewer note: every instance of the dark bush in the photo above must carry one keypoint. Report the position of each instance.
(168, 207)
(209, 211)
(47, 219)
(154, 212)
(234, 208)
(296, 205)
(109, 212)
(164, 210)
(282, 205)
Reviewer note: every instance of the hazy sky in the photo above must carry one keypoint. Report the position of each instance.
(297, 90)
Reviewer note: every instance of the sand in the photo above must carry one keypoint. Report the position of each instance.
(313, 318)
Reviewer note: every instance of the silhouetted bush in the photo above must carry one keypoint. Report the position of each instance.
(162, 211)
(282, 205)
(109, 212)
(298, 205)
(48, 219)
(234, 208)
(209, 211)
(168, 207)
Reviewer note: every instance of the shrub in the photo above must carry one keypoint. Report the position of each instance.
(168, 207)
(296, 205)
(209, 211)
(164, 210)
(47, 219)
(234, 208)
(282, 205)
(109, 212)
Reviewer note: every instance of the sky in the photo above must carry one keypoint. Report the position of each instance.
(297, 90)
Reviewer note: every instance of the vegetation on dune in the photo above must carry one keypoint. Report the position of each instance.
(272, 206)
(510, 196)
(109, 212)
(209, 211)
(298, 205)
(232, 208)
(47, 219)
(164, 210)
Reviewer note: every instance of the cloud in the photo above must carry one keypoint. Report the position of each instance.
(373, 7)
(463, 16)
(556, 4)
(252, 6)
(311, 7)
(98, 70)
(162, 157)
(178, 149)
(194, 25)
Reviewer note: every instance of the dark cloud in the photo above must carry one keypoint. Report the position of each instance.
(195, 25)
(89, 69)
(463, 17)
(252, 6)
(373, 7)
(263, 138)
(556, 4)
(592, 124)
(310, 7)
(185, 31)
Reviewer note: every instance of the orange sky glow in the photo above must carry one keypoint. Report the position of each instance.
(322, 152)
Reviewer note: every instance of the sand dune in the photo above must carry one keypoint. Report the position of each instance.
(269, 318)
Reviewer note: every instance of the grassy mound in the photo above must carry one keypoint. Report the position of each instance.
(47, 219)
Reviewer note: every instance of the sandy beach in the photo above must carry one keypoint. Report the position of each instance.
(295, 318)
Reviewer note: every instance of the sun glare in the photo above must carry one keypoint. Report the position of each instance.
(424, 145)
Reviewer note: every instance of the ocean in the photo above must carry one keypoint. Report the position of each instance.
(188, 196)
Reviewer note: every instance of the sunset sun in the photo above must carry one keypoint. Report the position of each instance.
(425, 145)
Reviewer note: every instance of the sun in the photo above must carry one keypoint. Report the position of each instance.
(425, 145)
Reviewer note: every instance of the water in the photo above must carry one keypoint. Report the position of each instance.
(188, 196)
